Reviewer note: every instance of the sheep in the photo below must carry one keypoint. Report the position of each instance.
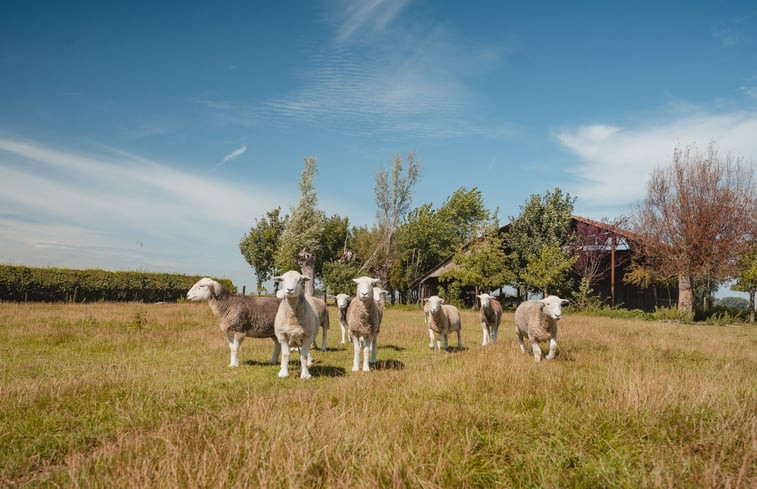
(537, 320)
(296, 322)
(379, 297)
(323, 318)
(490, 316)
(442, 319)
(239, 315)
(363, 318)
(342, 301)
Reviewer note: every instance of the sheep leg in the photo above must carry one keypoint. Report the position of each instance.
(344, 330)
(323, 339)
(284, 371)
(276, 352)
(367, 354)
(494, 333)
(520, 340)
(485, 332)
(446, 346)
(459, 341)
(235, 342)
(305, 361)
(537, 351)
(373, 348)
(552, 348)
(356, 358)
(431, 338)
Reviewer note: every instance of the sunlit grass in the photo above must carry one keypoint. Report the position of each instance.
(138, 395)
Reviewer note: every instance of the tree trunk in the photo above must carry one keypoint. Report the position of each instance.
(306, 262)
(751, 304)
(685, 294)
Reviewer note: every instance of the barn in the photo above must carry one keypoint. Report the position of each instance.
(604, 253)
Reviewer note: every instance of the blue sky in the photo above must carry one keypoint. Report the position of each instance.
(149, 136)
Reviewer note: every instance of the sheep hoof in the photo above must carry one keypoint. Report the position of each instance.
(366, 369)
(283, 375)
(306, 375)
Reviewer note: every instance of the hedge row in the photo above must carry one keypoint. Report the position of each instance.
(22, 284)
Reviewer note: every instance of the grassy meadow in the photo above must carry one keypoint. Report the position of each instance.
(139, 395)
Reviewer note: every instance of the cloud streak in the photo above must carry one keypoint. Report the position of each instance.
(234, 154)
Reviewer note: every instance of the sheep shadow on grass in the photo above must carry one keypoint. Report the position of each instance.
(391, 347)
(327, 371)
(388, 365)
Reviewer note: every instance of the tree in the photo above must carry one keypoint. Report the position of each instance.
(697, 219)
(430, 235)
(543, 222)
(393, 198)
(260, 244)
(547, 269)
(483, 263)
(301, 239)
(747, 276)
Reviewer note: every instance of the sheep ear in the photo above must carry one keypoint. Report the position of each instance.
(564, 301)
(478, 295)
(374, 281)
(356, 280)
(441, 301)
(425, 299)
(305, 278)
(277, 278)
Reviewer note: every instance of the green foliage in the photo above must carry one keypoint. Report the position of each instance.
(301, 238)
(22, 284)
(483, 264)
(543, 222)
(260, 244)
(548, 268)
(337, 277)
(584, 298)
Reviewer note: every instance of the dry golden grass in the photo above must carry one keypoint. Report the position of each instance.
(136, 395)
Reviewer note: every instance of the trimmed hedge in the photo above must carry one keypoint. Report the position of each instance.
(22, 284)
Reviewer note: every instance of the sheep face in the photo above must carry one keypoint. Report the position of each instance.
(434, 304)
(291, 283)
(203, 289)
(553, 306)
(365, 287)
(485, 300)
(342, 301)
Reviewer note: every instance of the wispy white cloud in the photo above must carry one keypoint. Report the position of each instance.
(365, 17)
(234, 154)
(67, 207)
(615, 162)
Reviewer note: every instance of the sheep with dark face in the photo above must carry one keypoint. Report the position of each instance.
(537, 320)
(442, 319)
(489, 316)
(342, 302)
(363, 318)
(238, 315)
(296, 323)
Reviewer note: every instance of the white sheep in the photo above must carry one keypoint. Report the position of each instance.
(239, 315)
(442, 319)
(537, 320)
(379, 297)
(342, 302)
(363, 318)
(296, 322)
(323, 318)
(490, 316)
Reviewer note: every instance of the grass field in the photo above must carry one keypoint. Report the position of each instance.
(138, 395)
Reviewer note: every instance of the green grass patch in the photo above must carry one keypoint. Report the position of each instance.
(135, 395)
